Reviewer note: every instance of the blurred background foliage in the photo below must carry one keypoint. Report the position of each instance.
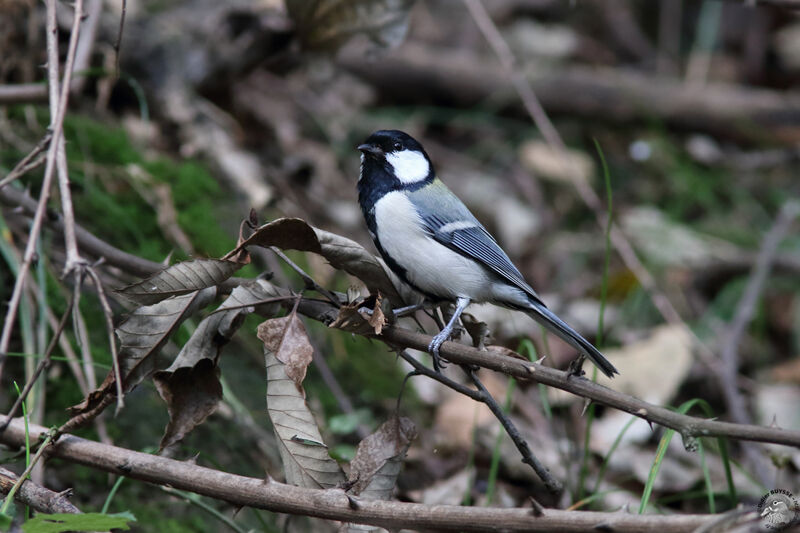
(220, 107)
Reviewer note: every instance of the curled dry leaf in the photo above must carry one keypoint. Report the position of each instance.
(306, 462)
(190, 386)
(341, 253)
(191, 394)
(142, 335)
(354, 317)
(286, 338)
(379, 459)
(477, 330)
(329, 24)
(179, 279)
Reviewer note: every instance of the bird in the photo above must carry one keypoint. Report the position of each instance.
(431, 240)
(777, 513)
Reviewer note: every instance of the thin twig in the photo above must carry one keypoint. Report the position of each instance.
(58, 105)
(728, 370)
(44, 363)
(82, 339)
(109, 316)
(29, 162)
(528, 458)
(745, 309)
(482, 395)
(118, 41)
(342, 399)
(56, 130)
(308, 280)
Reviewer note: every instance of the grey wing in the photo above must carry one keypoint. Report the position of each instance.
(453, 225)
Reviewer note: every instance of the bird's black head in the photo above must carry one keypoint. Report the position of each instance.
(389, 141)
(395, 159)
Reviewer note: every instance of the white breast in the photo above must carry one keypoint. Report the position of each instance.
(431, 266)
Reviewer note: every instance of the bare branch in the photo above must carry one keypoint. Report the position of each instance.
(39, 498)
(335, 504)
(687, 426)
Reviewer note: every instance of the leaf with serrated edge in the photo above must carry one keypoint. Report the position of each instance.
(190, 386)
(304, 465)
(180, 278)
(142, 335)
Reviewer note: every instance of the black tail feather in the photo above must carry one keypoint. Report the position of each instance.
(549, 320)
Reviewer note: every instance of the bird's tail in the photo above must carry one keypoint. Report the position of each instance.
(549, 320)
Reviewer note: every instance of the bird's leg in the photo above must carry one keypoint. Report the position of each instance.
(407, 310)
(438, 340)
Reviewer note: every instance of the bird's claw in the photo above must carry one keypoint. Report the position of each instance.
(433, 349)
(576, 367)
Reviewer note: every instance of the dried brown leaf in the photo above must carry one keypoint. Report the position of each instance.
(179, 279)
(286, 337)
(379, 459)
(189, 405)
(341, 252)
(191, 393)
(354, 318)
(142, 336)
(477, 330)
(306, 462)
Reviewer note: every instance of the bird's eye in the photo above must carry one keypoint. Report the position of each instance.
(398, 146)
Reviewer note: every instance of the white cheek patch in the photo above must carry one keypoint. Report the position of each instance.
(455, 226)
(409, 166)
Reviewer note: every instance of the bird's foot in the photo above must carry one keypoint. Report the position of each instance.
(576, 367)
(433, 349)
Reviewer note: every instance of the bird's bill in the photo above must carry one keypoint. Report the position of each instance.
(370, 149)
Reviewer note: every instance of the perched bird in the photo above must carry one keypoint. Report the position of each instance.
(429, 238)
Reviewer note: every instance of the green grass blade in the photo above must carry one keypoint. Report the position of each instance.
(611, 450)
(495, 464)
